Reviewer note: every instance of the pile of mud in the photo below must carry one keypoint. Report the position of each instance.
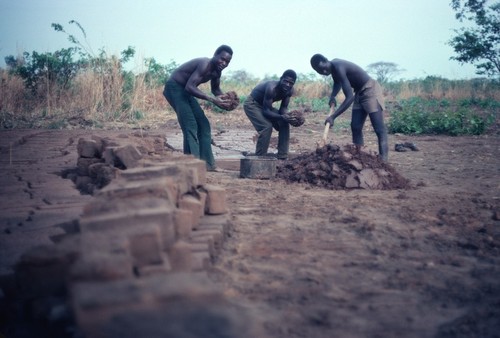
(342, 167)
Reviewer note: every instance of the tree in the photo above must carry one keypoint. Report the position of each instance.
(157, 73)
(383, 71)
(478, 44)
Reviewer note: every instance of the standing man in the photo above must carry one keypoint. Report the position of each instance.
(367, 98)
(259, 109)
(181, 91)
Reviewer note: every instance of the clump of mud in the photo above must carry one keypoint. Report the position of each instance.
(233, 99)
(342, 167)
(295, 117)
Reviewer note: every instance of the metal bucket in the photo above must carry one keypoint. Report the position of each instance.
(260, 167)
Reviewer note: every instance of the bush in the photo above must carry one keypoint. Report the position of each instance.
(421, 116)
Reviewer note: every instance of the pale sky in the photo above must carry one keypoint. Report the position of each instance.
(267, 36)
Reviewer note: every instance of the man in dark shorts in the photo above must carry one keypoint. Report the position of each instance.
(367, 99)
(181, 91)
(259, 109)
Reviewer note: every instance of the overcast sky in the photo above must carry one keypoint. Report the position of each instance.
(267, 36)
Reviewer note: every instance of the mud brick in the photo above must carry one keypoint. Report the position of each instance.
(216, 235)
(164, 187)
(158, 269)
(101, 266)
(160, 306)
(152, 171)
(100, 142)
(203, 246)
(216, 222)
(120, 221)
(83, 163)
(188, 177)
(182, 179)
(201, 261)
(196, 240)
(191, 203)
(202, 196)
(180, 256)
(216, 200)
(95, 303)
(127, 155)
(42, 270)
(102, 204)
(87, 148)
(200, 168)
(145, 245)
(108, 156)
(183, 220)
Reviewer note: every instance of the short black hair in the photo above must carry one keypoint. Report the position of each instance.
(223, 48)
(289, 73)
(316, 59)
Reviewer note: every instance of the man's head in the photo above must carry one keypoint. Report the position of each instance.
(222, 56)
(289, 73)
(287, 80)
(320, 64)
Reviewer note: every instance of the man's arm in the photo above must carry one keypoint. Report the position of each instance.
(197, 77)
(341, 82)
(284, 103)
(215, 86)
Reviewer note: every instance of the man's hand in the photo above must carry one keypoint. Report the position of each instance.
(222, 103)
(228, 101)
(329, 119)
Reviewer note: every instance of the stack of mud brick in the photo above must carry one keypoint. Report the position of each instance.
(142, 246)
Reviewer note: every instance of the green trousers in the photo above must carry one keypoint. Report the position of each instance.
(195, 126)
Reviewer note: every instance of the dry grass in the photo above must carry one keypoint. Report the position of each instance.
(97, 97)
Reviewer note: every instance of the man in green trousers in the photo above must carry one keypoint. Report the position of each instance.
(181, 91)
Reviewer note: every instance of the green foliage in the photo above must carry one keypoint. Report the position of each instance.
(156, 73)
(478, 44)
(46, 68)
(431, 116)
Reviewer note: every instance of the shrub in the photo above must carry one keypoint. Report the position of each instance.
(421, 116)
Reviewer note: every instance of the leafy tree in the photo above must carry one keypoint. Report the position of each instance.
(383, 71)
(156, 73)
(479, 44)
(44, 68)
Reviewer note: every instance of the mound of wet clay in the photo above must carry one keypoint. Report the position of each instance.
(342, 167)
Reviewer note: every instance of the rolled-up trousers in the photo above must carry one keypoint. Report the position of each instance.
(264, 128)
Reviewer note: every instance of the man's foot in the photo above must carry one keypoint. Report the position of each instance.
(217, 170)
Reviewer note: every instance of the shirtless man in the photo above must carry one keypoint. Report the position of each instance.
(367, 98)
(181, 91)
(259, 109)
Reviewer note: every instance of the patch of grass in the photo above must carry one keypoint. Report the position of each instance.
(431, 116)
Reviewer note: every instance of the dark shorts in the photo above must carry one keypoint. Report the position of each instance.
(369, 98)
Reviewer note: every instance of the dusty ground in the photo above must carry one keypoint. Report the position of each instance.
(315, 262)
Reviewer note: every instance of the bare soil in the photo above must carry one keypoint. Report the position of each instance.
(420, 258)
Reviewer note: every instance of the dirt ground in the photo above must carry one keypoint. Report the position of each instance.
(421, 260)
